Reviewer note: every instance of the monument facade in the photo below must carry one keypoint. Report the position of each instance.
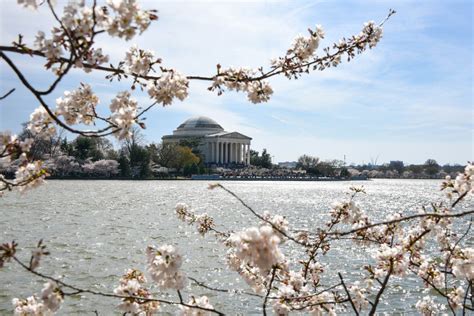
(216, 145)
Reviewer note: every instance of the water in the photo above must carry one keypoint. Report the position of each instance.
(95, 230)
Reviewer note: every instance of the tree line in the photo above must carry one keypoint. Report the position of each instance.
(96, 157)
(394, 169)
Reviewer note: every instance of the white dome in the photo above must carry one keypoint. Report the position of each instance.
(198, 126)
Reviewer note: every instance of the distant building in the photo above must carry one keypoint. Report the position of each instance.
(287, 164)
(216, 145)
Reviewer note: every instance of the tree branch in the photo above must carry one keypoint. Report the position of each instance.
(348, 294)
(7, 94)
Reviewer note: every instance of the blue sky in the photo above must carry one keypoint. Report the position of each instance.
(410, 98)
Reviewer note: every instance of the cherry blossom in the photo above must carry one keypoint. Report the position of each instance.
(163, 266)
(171, 85)
(202, 301)
(124, 112)
(78, 105)
(257, 246)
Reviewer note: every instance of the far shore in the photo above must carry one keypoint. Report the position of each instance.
(230, 179)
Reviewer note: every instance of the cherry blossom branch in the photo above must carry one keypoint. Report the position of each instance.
(335, 302)
(348, 294)
(400, 220)
(468, 291)
(381, 290)
(439, 291)
(269, 289)
(97, 293)
(248, 207)
(203, 285)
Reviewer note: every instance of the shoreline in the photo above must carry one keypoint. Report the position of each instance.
(234, 179)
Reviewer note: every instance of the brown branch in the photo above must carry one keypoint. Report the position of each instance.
(459, 198)
(268, 74)
(320, 304)
(264, 307)
(403, 219)
(97, 293)
(7, 94)
(469, 287)
(382, 289)
(260, 216)
(203, 285)
(348, 294)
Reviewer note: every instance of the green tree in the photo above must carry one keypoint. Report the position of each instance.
(397, 165)
(431, 167)
(416, 169)
(124, 166)
(326, 169)
(308, 163)
(344, 173)
(137, 155)
(87, 148)
(254, 158)
(264, 161)
(184, 157)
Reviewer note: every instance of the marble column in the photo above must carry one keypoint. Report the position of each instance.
(248, 154)
(240, 153)
(224, 152)
(232, 156)
(220, 151)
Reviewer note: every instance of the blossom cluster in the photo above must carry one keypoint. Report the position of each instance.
(14, 151)
(136, 296)
(204, 223)
(202, 302)
(78, 106)
(124, 114)
(41, 123)
(427, 306)
(242, 79)
(163, 265)
(29, 175)
(257, 246)
(462, 184)
(462, 261)
(139, 61)
(79, 24)
(48, 303)
(171, 85)
(10, 145)
(129, 18)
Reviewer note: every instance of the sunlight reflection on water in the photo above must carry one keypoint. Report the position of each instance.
(95, 230)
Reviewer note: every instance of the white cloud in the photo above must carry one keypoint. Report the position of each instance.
(408, 85)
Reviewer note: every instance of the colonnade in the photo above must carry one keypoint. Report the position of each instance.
(229, 152)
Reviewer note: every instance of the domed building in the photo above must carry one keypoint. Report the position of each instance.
(216, 145)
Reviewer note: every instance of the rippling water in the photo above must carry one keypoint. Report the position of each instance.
(95, 230)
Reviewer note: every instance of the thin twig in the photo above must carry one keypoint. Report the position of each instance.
(403, 219)
(264, 307)
(260, 216)
(203, 285)
(382, 289)
(7, 94)
(348, 294)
